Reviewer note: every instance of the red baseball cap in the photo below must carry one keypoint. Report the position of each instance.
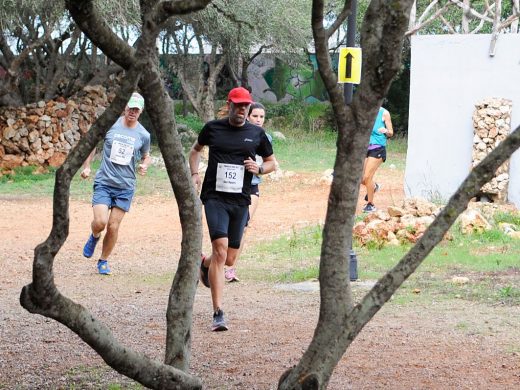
(240, 95)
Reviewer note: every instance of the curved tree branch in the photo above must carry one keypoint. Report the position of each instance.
(389, 283)
(381, 39)
(340, 19)
(99, 32)
(43, 297)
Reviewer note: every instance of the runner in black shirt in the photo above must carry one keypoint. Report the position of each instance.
(233, 144)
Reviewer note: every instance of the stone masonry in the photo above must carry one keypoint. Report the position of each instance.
(43, 133)
(492, 124)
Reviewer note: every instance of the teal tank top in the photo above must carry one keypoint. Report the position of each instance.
(377, 138)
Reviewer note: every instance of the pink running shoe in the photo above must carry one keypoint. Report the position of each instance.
(231, 275)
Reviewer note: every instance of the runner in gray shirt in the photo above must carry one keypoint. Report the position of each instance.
(126, 143)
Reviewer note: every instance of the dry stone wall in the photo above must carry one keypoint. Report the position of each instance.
(492, 124)
(43, 133)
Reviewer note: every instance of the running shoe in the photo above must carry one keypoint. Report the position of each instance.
(369, 207)
(377, 187)
(103, 268)
(88, 249)
(204, 272)
(231, 275)
(219, 323)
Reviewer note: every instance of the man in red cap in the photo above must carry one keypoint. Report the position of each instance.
(233, 144)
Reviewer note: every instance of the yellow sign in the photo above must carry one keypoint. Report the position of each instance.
(349, 65)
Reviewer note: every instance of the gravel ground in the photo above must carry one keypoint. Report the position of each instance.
(433, 345)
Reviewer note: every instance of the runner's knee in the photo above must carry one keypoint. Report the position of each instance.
(113, 227)
(219, 253)
(99, 224)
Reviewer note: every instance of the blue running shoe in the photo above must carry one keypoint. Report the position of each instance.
(103, 268)
(219, 323)
(88, 249)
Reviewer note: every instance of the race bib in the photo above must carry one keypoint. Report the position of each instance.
(122, 152)
(230, 178)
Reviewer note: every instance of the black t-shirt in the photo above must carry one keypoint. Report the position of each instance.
(226, 178)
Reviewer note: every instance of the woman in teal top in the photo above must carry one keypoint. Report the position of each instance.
(376, 155)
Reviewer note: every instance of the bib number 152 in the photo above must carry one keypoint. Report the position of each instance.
(230, 178)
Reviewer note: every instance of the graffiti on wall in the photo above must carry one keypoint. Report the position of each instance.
(271, 80)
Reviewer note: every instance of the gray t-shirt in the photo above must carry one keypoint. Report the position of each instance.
(122, 150)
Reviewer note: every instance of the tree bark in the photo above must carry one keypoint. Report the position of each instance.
(42, 296)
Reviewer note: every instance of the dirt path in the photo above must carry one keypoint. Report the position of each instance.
(454, 345)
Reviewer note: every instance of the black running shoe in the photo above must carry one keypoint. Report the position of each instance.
(376, 188)
(219, 323)
(204, 272)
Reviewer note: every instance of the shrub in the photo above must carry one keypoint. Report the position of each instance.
(297, 114)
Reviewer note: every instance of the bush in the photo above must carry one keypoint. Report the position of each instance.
(297, 114)
(192, 121)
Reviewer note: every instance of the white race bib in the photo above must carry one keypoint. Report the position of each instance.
(121, 152)
(230, 178)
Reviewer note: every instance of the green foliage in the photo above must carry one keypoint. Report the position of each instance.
(192, 121)
(178, 108)
(398, 97)
(296, 114)
(14, 13)
(280, 77)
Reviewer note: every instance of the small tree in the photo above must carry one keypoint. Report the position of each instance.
(340, 320)
(42, 296)
(223, 35)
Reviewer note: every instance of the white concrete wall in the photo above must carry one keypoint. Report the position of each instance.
(449, 74)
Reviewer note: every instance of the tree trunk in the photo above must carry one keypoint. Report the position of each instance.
(42, 296)
(339, 322)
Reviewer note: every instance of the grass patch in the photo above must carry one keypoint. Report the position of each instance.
(25, 182)
(289, 258)
(511, 218)
(82, 377)
(488, 260)
(396, 152)
(306, 152)
(192, 121)
(301, 152)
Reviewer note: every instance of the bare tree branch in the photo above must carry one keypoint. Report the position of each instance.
(496, 26)
(470, 11)
(447, 24)
(99, 32)
(340, 19)
(388, 284)
(432, 18)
